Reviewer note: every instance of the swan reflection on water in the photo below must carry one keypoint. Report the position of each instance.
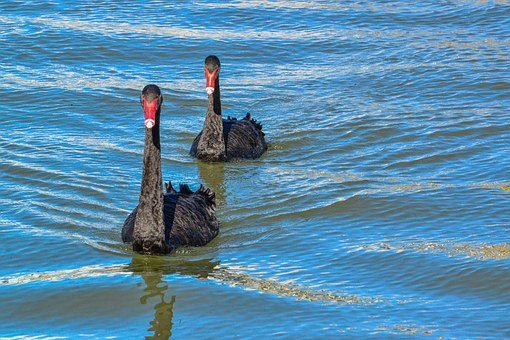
(213, 176)
(162, 323)
(157, 291)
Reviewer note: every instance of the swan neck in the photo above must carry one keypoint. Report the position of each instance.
(211, 146)
(149, 228)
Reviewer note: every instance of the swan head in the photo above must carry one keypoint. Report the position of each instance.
(151, 100)
(212, 71)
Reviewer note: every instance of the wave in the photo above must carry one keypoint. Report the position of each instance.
(170, 31)
(222, 275)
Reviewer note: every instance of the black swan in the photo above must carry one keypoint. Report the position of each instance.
(162, 222)
(225, 139)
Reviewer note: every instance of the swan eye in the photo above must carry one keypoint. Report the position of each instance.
(160, 101)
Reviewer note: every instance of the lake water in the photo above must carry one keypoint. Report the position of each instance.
(381, 208)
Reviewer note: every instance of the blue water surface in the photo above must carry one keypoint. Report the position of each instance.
(380, 209)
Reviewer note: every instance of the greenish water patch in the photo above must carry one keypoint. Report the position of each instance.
(476, 251)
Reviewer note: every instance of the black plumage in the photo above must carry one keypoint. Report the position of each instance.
(162, 222)
(225, 139)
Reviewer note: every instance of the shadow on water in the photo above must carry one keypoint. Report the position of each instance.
(157, 291)
(213, 175)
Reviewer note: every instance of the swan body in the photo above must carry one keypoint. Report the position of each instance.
(162, 222)
(189, 217)
(242, 139)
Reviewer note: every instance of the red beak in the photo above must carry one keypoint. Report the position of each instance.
(210, 79)
(150, 109)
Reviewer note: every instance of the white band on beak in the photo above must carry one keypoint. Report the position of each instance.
(149, 123)
(209, 90)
